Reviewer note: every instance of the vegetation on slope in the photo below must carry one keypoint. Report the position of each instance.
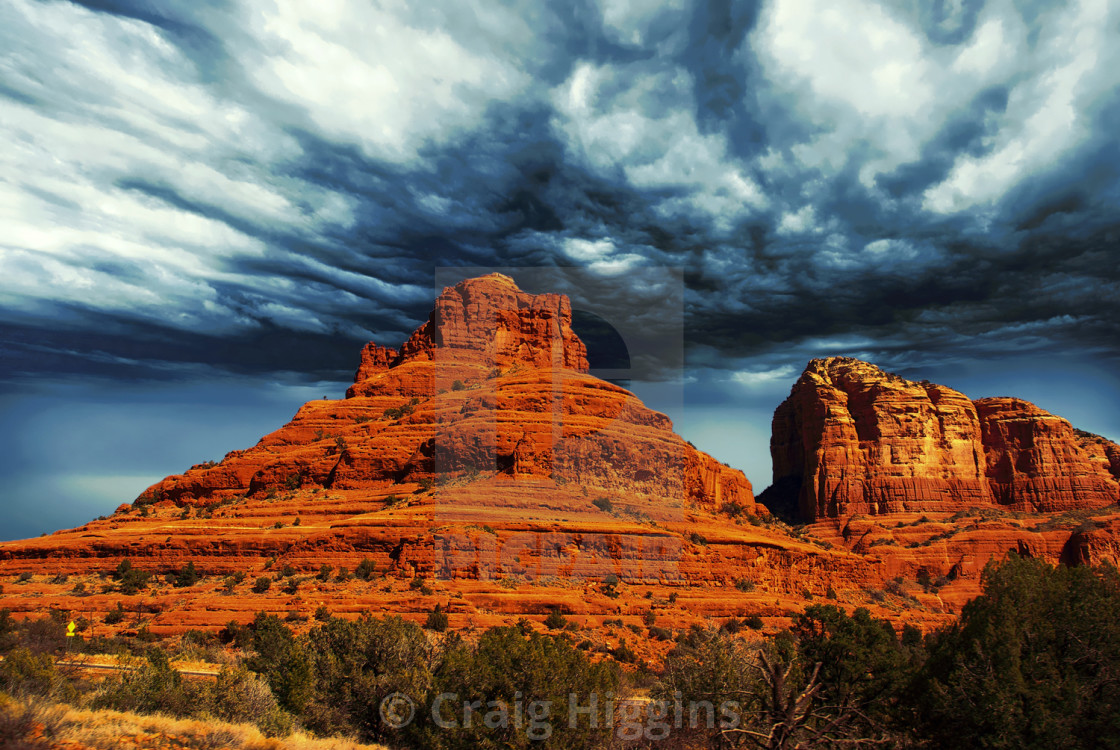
(1033, 662)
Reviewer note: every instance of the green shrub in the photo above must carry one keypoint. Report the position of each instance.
(713, 666)
(9, 632)
(154, 688)
(744, 584)
(130, 579)
(282, 661)
(187, 576)
(115, 616)
(366, 569)
(624, 654)
(25, 673)
(507, 666)
(262, 584)
(863, 662)
(437, 620)
(242, 696)
(1032, 662)
(603, 503)
(354, 665)
(237, 634)
(555, 620)
(924, 578)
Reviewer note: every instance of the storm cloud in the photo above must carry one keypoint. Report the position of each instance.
(203, 190)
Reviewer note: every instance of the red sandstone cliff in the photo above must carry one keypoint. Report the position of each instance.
(477, 326)
(852, 439)
(1036, 461)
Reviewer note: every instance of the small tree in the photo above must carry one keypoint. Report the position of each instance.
(555, 620)
(437, 620)
(282, 661)
(1032, 662)
(366, 569)
(242, 696)
(187, 576)
(115, 616)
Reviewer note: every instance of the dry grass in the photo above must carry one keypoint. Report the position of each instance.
(40, 725)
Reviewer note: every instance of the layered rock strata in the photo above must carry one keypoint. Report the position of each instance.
(852, 439)
(485, 414)
(493, 383)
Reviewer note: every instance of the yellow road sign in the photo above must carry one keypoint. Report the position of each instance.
(70, 629)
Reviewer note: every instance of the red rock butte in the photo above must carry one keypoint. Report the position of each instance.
(493, 385)
(852, 439)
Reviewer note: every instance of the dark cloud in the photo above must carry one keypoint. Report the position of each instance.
(210, 188)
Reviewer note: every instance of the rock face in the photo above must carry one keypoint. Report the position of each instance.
(1036, 461)
(493, 383)
(375, 360)
(477, 326)
(852, 439)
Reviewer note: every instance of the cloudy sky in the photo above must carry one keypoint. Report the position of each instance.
(207, 208)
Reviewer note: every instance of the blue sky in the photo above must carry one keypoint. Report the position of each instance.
(207, 208)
